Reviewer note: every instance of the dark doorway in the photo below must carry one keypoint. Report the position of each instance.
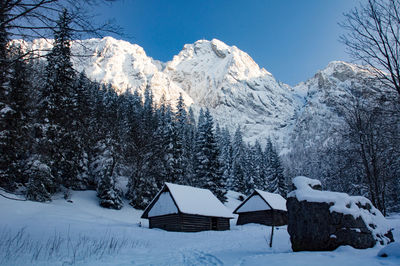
(214, 223)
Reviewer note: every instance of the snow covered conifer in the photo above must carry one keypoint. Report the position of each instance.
(258, 164)
(239, 180)
(15, 123)
(60, 142)
(276, 179)
(208, 169)
(224, 141)
(189, 140)
(171, 148)
(41, 183)
(109, 195)
(146, 175)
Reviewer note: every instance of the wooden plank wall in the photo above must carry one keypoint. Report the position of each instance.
(170, 222)
(223, 224)
(263, 217)
(195, 223)
(187, 223)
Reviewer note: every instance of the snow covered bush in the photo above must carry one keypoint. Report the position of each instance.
(109, 194)
(41, 182)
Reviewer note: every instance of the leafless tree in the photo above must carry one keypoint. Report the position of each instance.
(372, 132)
(373, 38)
(36, 18)
(30, 19)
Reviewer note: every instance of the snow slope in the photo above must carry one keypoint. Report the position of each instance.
(82, 226)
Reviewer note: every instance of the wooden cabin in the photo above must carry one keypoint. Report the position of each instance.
(187, 209)
(262, 208)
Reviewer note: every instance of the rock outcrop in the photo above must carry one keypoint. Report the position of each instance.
(324, 220)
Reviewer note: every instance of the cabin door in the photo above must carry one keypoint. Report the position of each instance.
(214, 223)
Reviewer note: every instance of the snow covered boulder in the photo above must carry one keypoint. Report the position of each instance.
(324, 220)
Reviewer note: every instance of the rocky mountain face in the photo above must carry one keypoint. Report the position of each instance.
(211, 74)
(318, 119)
(319, 122)
(323, 94)
(235, 89)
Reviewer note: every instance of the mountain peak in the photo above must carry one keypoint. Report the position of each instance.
(337, 67)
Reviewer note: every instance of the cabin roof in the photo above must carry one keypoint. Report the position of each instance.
(192, 200)
(276, 201)
(273, 200)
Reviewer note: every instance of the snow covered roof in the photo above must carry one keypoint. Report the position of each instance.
(192, 200)
(276, 201)
(271, 201)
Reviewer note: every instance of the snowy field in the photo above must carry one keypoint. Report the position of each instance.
(82, 233)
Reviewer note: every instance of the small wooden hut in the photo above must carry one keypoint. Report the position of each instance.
(263, 208)
(187, 209)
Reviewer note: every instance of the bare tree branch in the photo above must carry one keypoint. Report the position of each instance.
(373, 39)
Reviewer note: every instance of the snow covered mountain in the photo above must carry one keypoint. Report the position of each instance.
(318, 120)
(329, 88)
(123, 65)
(235, 89)
(209, 74)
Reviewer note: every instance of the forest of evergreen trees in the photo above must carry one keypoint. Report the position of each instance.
(61, 131)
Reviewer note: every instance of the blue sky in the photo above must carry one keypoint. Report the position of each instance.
(292, 39)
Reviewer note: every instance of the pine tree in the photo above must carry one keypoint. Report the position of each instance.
(145, 179)
(276, 180)
(6, 180)
(225, 146)
(239, 179)
(41, 184)
(208, 170)
(258, 163)
(109, 195)
(15, 124)
(169, 147)
(60, 145)
(251, 168)
(86, 92)
(189, 149)
(181, 128)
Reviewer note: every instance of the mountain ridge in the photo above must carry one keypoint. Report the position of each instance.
(208, 74)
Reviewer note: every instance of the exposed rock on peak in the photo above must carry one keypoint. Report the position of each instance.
(235, 89)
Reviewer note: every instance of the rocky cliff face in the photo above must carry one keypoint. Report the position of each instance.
(318, 119)
(330, 88)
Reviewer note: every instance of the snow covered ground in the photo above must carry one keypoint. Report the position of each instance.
(82, 233)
